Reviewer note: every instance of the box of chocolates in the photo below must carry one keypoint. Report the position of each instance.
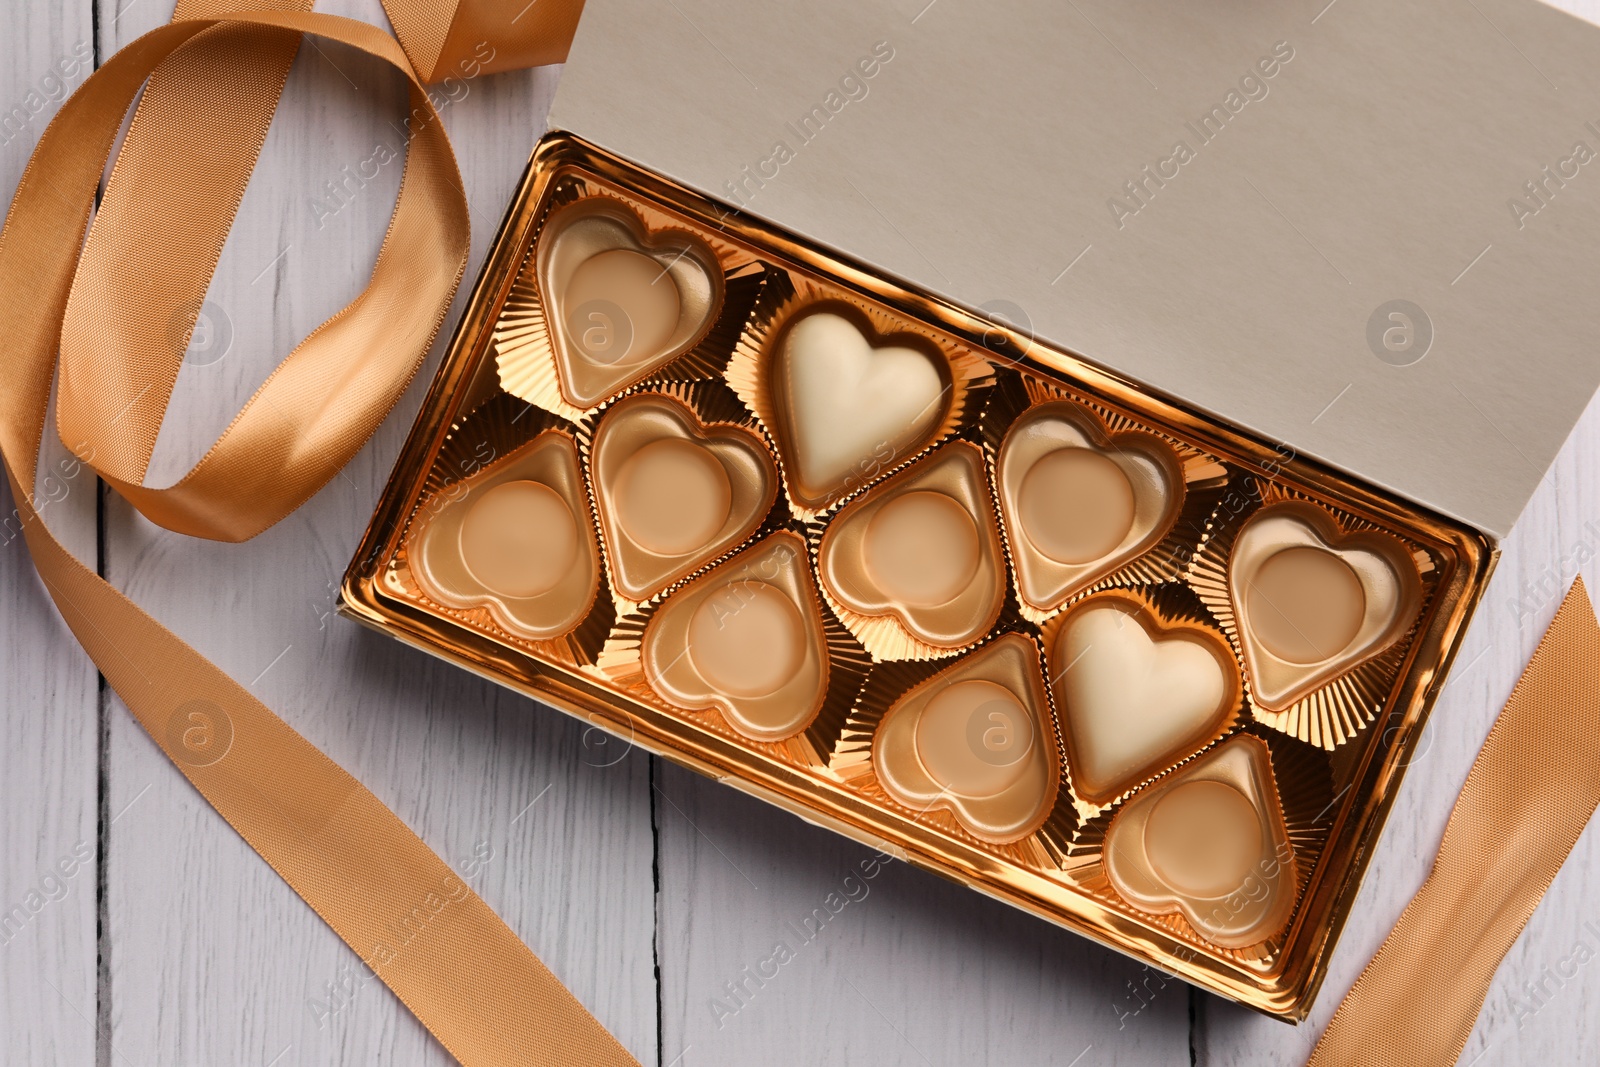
(1005, 617)
(924, 573)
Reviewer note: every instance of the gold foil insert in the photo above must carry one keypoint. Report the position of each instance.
(673, 493)
(976, 740)
(621, 302)
(514, 538)
(1079, 503)
(922, 550)
(856, 649)
(746, 638)
(1313, 601)
(851, 400)
(1136, 692)
(1209, 842)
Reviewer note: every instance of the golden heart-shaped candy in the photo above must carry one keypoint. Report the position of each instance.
(851, 403)
(620, 302)
(1079, 503)
(514, 538)
(977, 740)
(746, 639)
(672, 492)
(1136, 697)
(1313, 601)
(1209, 842)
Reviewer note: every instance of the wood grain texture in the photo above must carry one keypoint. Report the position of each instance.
(890, 965)
(49, 693)
(654, 893)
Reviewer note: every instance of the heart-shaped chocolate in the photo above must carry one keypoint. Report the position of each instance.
(977, 740)
(1136, 697)
(620, 302)
(672, 492)
(852, 404)
(1079, 503)
(1312, 601)
(1209, 842)
(922, 548)
(514, 538)
(746, 639)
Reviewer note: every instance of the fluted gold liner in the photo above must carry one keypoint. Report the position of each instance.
(479, 442)
(524, 350)
(888, 629)
(1204, 478)
(790, 295)
(1339, 710)
(642, 419)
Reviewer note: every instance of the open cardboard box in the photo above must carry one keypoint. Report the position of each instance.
(1337, 251)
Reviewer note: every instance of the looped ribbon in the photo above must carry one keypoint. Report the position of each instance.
(120, 307)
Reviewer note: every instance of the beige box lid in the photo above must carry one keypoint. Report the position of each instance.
(1383, 160)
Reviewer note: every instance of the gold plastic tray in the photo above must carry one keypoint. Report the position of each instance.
(1337, 755)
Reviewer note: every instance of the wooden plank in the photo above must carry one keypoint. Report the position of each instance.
(213, 959)
(49, 691)
(910, 969)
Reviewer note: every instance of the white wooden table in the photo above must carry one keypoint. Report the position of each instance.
(646, 889)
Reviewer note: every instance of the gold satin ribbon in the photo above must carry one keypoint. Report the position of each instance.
(120, 314)
(1529, 795)
(445, 40)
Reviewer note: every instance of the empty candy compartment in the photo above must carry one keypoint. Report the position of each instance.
(1313, 601)
(515, 538)
(672, 492)
(921, 553)
(621, 301)
(1078, 503)
(747, 639)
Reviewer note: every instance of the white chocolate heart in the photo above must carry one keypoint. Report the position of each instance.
(1135, 699)
(1059, 476)
(851, 410)
(1354, 595)
(620, 302)
(1209, 842)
